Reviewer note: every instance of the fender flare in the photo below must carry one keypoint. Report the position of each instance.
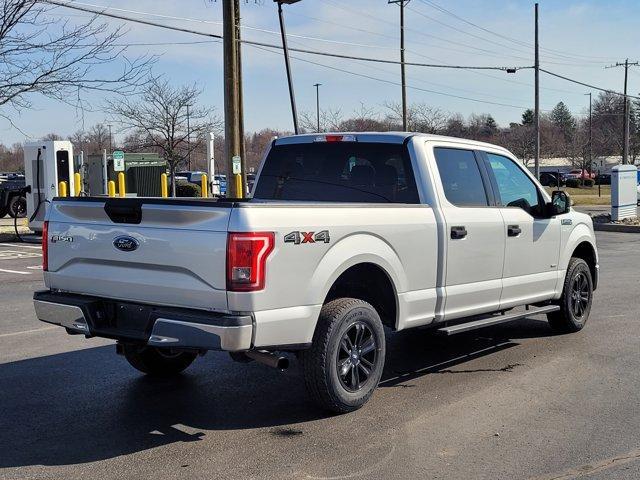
(339, 258)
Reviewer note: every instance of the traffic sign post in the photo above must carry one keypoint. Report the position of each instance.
(118, 161)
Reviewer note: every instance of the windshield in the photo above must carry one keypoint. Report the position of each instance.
(338, 172)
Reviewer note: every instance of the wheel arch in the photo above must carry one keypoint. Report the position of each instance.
(376, 265)
(587, 252)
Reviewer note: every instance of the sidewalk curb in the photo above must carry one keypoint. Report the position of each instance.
(616, 227)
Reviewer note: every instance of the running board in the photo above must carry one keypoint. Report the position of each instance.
(495, 320)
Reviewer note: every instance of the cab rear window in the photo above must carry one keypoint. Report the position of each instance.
(338, 172)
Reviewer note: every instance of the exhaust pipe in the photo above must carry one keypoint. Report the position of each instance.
(269, 359)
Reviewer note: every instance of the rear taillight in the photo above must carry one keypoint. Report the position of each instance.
(45, 246)
(246, 260)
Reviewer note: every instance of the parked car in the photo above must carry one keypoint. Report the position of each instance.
(346, 234)
(603, 179)
(191, 177)
(581, 174)
(13, 200)
(552, 179)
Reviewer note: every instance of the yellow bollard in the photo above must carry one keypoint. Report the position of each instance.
(111, 188)
(204, 186)
(62, 189)
(239, 189)
(77, 184)
(121, 187)
(164, 189)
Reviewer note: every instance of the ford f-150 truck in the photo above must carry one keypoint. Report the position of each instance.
(345, 234)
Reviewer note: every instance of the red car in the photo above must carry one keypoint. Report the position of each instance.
(581, 174)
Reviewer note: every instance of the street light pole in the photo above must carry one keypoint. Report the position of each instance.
(590, 134)
(287, 63)
(317, 85)
(188, 139)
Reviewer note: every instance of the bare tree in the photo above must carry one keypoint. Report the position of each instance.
(55, 58)
(159, 118)
(420, 117)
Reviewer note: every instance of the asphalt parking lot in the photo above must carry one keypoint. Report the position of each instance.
(510, 402)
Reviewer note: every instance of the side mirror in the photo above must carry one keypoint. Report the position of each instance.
(560, 203)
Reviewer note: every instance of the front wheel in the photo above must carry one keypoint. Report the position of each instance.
(344, 364)
(577, 296)
(158, 361)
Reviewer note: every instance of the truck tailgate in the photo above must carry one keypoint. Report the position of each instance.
(172, 252)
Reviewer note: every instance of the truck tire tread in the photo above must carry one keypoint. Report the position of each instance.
(316, 362)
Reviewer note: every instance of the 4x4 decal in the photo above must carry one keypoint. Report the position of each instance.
(307, 237)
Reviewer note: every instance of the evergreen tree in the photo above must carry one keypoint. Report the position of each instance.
(562, 119)
(490, 127)
(527, 117)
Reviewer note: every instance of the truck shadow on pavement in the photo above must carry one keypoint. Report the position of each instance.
(89, 405)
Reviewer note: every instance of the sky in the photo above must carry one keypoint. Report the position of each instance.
(578, 39)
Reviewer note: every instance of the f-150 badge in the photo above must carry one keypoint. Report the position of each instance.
(307, 237)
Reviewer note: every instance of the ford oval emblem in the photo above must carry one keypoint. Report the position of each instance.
(125, 243)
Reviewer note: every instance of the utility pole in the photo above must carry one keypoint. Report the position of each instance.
(625, 133)
(110, 140)
(317, 85)
(287, 63)
(232, 115)
(590, 136)
(243, 157)
(188, 140)
(536, 115)
(402, 4)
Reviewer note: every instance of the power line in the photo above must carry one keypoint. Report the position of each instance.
(317, 39)
(391, 82)
(459, 30)
(413, 52)
(573, 80)
(505, 37)
(269, 45)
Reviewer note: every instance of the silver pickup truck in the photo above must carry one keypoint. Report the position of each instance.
(345, 234)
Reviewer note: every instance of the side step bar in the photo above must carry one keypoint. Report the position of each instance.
(495, 320)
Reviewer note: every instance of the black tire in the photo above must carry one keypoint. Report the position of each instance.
(161, 362)
(577, 296)
(349, 333)
(18, 207)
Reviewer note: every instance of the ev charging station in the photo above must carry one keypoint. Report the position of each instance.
(46, 164)
(624, 192)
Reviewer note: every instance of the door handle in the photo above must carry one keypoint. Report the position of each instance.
(514, 230)
(458, 233)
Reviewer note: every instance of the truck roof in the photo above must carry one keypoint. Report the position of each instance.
(381, 137)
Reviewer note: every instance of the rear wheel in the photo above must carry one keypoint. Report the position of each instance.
(158, 361)
(344, 364)
(18, 207)
(577, 296)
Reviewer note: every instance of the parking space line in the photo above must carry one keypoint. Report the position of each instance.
(14, 271)
(28, 331)
(20, 245)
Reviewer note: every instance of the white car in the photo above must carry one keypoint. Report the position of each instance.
(345, 234)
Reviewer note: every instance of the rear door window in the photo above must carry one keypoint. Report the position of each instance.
(338, 172)
(460, 176)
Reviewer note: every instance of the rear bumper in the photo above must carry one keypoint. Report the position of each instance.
(155, 326)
